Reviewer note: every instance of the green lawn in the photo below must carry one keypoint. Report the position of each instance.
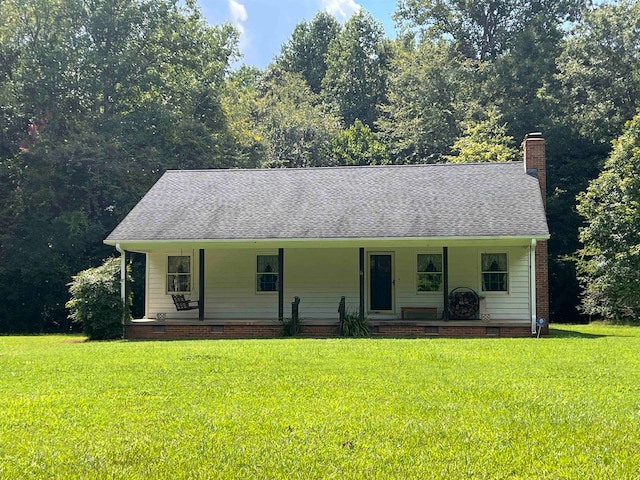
(561, 407)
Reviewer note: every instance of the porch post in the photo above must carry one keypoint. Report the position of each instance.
(201, 285)
(123, 280)
(445, 281)
(281, 284)
(361, 262)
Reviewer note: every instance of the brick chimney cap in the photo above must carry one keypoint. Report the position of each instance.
(534, 135)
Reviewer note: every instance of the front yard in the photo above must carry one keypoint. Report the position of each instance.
(561, 407)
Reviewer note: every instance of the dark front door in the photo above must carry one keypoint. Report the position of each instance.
(380, 282)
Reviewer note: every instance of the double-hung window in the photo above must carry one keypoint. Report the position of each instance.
(267, 273)
(495, 274)
(429, 272)
(179, 274)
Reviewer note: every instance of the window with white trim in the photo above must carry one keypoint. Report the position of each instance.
(179, 274)
(495, 273)
(429, 272)
(267, 273)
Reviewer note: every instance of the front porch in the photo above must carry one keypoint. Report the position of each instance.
(174, 329)
(405, 289)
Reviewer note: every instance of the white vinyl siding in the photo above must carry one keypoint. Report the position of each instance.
(230, 284)
(158, 300)
(320, 276)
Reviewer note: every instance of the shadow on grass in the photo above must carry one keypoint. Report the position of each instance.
(557, 333)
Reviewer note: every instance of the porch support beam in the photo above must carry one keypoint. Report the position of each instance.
(123, 281)
(201, 285)
(281, 284)
(361, 269)
(445, 282)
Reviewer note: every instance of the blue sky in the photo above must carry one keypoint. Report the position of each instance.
(266, 24)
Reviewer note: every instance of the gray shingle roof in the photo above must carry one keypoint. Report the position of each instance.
(441, 200)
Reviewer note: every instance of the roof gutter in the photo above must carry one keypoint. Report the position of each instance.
(331, 239)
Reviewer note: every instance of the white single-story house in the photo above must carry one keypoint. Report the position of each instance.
(420, 250)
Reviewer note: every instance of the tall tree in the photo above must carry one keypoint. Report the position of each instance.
(306, 51)
(609, 263)
(296, 126)
(99, 98)
(357, 145)
(484, 140)
(426, 102)
(600, 70)
(357, 70)
(512, 43)
(480, 30)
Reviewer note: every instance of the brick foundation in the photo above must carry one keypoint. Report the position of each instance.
(159, 331)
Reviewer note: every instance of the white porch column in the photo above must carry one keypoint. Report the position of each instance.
(123, 278)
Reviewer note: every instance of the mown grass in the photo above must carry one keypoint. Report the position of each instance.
(560, 407)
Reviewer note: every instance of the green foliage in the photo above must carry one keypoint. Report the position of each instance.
(480, 30)
(599, 70)
(97, 99)
(357, 145)
(306, 52)
(357, 70)
(355, 325)
(485, 141)
(296, 126)
(96, 303)
(336, 408)
(609, 264)
(290, 327)
(425, 103)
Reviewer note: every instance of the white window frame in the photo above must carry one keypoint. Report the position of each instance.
(258, 275)
(439, 272)
(505, 272)
(188, 274)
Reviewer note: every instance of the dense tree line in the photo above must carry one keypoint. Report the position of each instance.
(99, 97)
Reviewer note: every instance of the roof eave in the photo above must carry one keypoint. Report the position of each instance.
(362, 241)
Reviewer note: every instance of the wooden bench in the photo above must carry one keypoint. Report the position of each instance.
(182, 303)
(419, 313)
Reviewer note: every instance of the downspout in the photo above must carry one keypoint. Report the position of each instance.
(532, 281)
(123, 280)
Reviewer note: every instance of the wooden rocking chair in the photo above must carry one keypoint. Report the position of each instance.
(182, 303)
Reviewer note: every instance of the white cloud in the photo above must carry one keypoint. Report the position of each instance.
(238, 14)
(341, 9)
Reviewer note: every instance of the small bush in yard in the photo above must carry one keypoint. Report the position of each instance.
(95, 301)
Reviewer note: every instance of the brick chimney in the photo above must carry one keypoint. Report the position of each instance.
(534, 165)
(534, 160)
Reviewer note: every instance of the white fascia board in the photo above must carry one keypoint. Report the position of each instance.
(146, 245)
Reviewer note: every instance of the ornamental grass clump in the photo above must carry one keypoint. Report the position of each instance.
(95, 301)
(355, 325)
